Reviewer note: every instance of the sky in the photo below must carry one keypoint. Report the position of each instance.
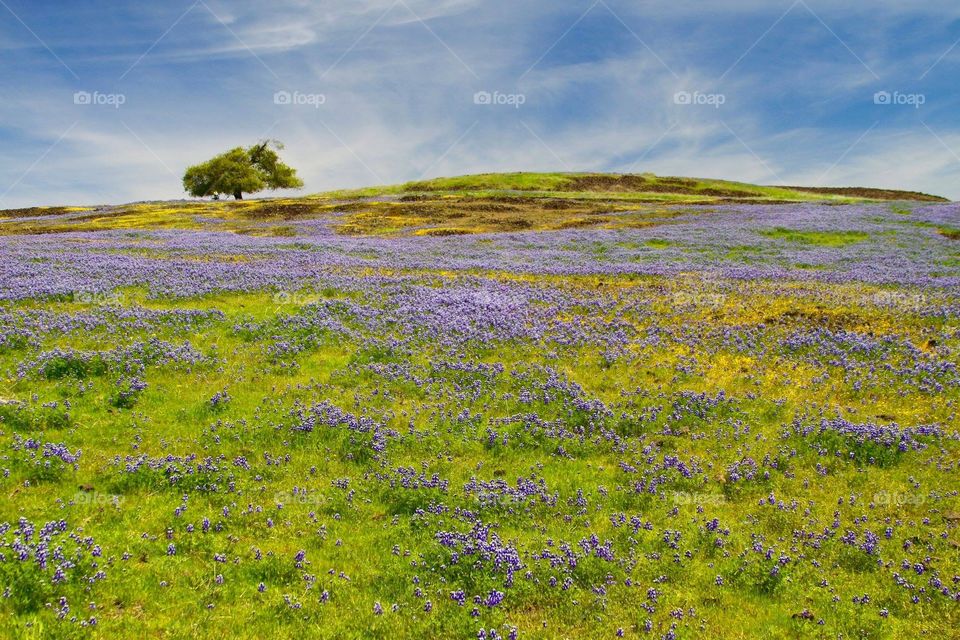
(108, 102)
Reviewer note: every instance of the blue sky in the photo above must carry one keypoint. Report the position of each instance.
(806, 92)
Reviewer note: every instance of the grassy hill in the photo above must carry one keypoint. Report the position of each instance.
(448, 206)
(635, 187)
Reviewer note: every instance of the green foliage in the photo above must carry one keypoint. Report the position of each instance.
(23, 417)
(33, 587)
(73, 365)
(240, 171)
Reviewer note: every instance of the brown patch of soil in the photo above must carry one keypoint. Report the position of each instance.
(491, 206)
(29, 212)
(831, 321)
(726, 193)
(873, 194)
(281, 210)
(559, 204)
(446, 232)
(507, 224)
(576, 223)
(608, 183)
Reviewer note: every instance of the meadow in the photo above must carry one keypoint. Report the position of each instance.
(530, 406)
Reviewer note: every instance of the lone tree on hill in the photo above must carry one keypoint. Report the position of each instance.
(241, 170)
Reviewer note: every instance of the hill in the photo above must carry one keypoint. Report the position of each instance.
(455, 205)
(637, 187)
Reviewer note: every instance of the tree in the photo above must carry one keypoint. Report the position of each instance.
(240, 171)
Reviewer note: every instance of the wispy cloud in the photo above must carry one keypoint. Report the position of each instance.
(398, 81)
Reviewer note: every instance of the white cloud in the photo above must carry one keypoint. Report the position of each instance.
(400, 103)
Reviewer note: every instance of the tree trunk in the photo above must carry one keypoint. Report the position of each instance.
(237, 195)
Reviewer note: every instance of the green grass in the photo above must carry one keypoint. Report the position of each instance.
(156, 595)
(657, 243)
(818, 238)
(874, 357)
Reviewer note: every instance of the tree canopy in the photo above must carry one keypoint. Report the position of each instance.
(240, 171)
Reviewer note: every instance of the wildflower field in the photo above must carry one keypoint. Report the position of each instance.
(539, 411)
